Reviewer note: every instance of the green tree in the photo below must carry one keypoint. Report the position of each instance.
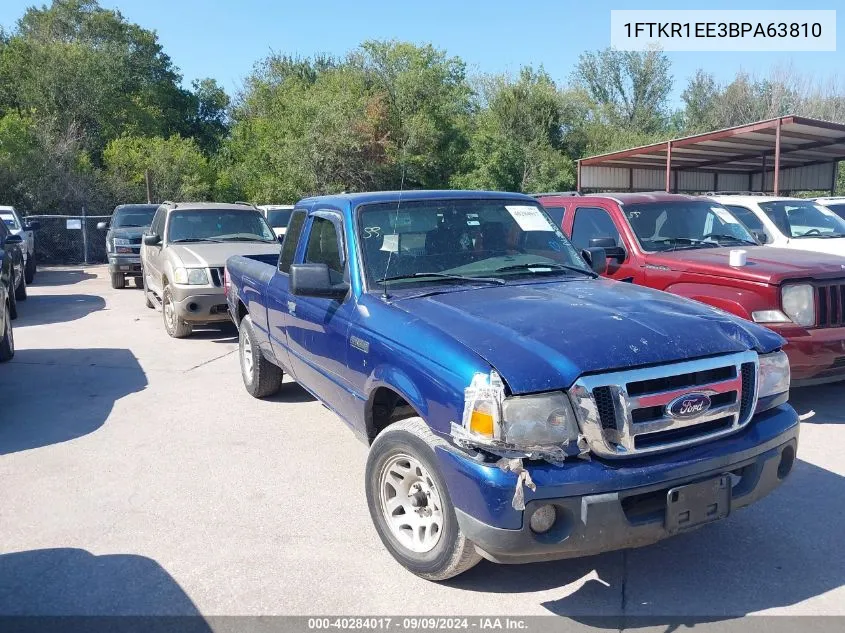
(516, 142)
(177, 166)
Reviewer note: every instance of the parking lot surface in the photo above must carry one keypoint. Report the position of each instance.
(139, 477)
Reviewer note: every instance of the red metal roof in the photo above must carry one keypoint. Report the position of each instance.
(803, 141)
(624, 198)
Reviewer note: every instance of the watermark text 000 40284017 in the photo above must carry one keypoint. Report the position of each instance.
(723, 30)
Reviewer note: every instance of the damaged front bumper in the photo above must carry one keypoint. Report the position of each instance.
(602, 506)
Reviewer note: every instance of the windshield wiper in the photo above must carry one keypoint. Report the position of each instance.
(731, 238)
(687, 241)
(489, 280)
(193, 239)
(549, 266)
(245, 239)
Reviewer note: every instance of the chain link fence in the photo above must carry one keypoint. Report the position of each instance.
(69, 239)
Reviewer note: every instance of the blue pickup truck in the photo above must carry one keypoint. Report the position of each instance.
(518, 407)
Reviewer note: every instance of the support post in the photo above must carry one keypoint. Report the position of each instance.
(763, 179)
(668, 166)
(630, 179)
(578, 178)
(84, 235)
(834, 178)
(148, 180)
(776, 187)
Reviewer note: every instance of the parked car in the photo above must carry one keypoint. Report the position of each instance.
(183, 254)
(683, 245)
(789, 222)
(19, 226)
(518, 407)
(12, 287)
(123, 241)
(835, 204)
(277, 215)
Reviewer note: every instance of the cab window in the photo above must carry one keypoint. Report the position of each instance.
(295, 225)
(324, 247)
(590, 223)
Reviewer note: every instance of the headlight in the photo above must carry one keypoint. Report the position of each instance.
(770, 316)
(774, 375)
(190, 276)
(799, 303)
(534, 424)
(119, 241)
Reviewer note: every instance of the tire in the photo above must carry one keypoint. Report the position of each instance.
(175, 326)
(118, 281)
(29, 270)
(20, 291)
(147, 301)
(13, 301)
(7, 343)
(411, 443)
(261, 377)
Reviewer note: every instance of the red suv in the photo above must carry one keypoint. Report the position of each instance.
(682, 244)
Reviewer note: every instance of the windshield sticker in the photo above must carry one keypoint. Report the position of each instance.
(402, 219)
(557, 245)
(390, 243)
(473, 223)
(372, 231)
(529, 218)
(724, 215)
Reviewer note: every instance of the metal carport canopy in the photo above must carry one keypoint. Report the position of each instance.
(786, 154)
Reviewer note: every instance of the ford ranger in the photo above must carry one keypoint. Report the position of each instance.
(517, 406)
(682, 244)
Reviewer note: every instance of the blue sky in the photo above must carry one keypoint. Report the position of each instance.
(223, 39)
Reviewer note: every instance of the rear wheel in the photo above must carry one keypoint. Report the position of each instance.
(410, 504)
(29, 271)
(175, 326)
(261, 377)
(13, 302)
(7, 343)
(118, 280)
(20, 291)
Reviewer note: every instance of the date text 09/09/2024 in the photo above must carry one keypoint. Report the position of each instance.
(723, 29)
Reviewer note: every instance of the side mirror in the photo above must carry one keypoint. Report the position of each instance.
(596, 257)
(760, 236)
(14, 239)
(32, 226)
(102, 226)
(610, 247)
(151, 239)
(313, 280)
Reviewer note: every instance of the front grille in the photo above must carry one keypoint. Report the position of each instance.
(627, 413)
(135, 240)
(831, 303)
(216, 276)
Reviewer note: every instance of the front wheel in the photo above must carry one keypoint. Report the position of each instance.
(175, 326)
(410, 504)
(261, 377)
(118, 281)
(7, 343)
(29, 270)
(20, 291)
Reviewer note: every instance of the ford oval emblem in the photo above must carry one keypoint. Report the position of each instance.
(688, 406)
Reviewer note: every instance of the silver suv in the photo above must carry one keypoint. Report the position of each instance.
(183, 255)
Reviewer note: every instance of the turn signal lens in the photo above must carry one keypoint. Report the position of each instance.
(481, 423)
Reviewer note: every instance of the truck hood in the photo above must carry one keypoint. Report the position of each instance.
(208, 255)
(127, 232)
(830, 245)
(542, 337)
(766, 264)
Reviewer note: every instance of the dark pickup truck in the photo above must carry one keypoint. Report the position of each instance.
(518, 407)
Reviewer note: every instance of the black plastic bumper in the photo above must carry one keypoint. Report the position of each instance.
(591, 524)
(129, 265)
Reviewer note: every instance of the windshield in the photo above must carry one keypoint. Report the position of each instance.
(218, 225)
(125, 217)
(279, 218)
(489, 240)
(684, 224)
(804, 218)
(9, 220)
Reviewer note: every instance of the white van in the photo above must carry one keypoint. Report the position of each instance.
(789, 222)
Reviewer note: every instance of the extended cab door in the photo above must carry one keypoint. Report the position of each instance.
(591, 221)
(318, 328)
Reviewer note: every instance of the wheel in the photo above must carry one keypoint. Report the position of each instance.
(118, 280)
(20, 291)
(7, 343)
(261, 377)
(13, 301)
(147, 301)
(29, 270)
(176, 327)
(410, 505)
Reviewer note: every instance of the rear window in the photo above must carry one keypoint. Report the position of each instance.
(279, 218)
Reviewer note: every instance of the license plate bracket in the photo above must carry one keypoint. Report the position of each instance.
(696, 504)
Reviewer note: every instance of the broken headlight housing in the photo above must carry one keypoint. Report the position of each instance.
(541, 425)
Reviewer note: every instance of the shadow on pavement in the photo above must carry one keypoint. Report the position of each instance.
(45, 309)
(291, 392)
(783, 550)
(63, 277)
(75, 582)
(55, 395)
(824, 400)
